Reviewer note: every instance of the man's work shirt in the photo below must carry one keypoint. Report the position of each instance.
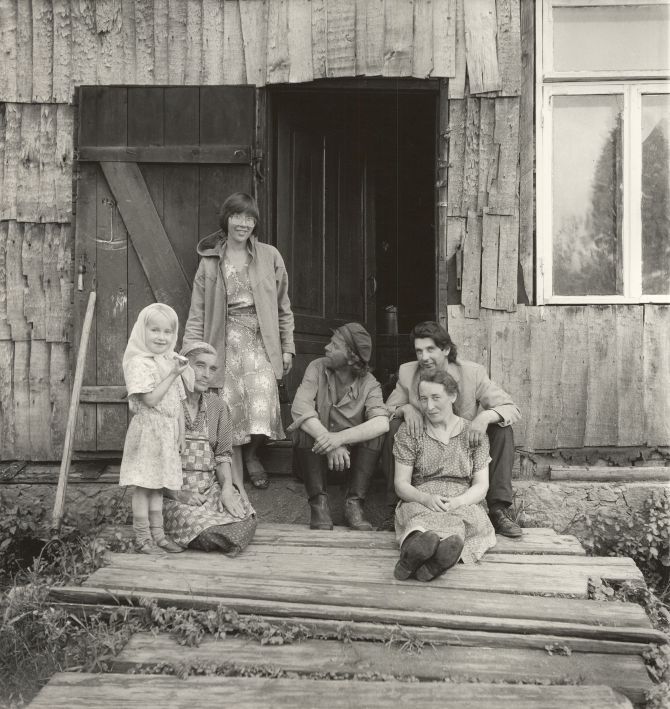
(476, 392)
(317, 397)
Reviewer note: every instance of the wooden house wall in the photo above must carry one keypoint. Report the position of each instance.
(485, 187)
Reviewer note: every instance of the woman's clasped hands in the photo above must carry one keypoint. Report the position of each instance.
(439, 503)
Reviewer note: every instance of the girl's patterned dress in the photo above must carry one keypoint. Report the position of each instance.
(208, 526)
(444, 469)
(151, 450)
(250, 387)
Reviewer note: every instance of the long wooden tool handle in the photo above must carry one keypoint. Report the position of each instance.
(68, 445)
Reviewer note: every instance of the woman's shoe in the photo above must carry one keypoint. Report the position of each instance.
(447, 554)
(415, 550)
(150, 547)
(257, 474)
(169, 546)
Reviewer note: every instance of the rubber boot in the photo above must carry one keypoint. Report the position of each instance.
(363, 464)
(311, 466)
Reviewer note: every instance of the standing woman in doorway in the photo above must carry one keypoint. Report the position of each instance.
(240, 306)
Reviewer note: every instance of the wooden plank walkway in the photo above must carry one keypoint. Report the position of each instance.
(520, 615)
(72, 690)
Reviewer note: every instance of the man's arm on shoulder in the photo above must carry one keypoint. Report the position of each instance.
(400, 395)
(493, 398)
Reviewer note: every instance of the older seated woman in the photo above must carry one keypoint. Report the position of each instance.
(442, 483)
(211, 512)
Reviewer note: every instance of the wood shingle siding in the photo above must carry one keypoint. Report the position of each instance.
(595, 375)
(51, 46)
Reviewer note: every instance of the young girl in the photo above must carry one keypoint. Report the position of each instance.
(151, 453)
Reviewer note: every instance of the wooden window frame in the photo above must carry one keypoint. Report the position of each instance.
(631, 88)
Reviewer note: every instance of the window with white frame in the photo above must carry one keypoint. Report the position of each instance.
(603, 157)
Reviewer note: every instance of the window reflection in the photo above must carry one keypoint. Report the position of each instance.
(587, 206)
(655, 193)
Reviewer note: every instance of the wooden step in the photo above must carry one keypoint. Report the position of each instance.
(625, 673)
(69, 690)
(594, 473)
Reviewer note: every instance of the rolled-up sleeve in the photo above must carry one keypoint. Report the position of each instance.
(195, 324)
(304, 401)
(374, 402)
(492, 398)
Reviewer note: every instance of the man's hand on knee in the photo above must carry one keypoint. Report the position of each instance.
(338, 459)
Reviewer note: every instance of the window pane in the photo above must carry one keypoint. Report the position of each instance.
(587, 207)
(614, 38)
(655, 194)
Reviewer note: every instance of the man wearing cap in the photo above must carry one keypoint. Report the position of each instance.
(339, 422)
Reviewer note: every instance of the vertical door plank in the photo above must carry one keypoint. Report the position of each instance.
(109, 29)
(341, 38)
(471, 159)
(146, 123)
(254, 22)
(489, 261)
(181, 182)
(129, 32)
(444, 38)
(15, 286)
(487, 153)
(630, 385)
(443, 254)
(57, 275)
(300, 41)
(47, 210)
(508, 263)
(457, 114)
(504, 192)
(234, 67)
(112, 275)
(657, 374)
(28, 173)
(10, 171)
(398, 38)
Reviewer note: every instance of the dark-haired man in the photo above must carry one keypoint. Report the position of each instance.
(489, 408)
(339, 422)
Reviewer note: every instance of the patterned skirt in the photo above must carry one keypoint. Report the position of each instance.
(250, 387)
(471, 522)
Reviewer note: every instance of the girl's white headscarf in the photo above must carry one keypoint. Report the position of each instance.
(137, 344)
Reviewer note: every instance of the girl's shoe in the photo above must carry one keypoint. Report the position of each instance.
(415, 550)
(169, 546)
(150, 547)
(446, 555)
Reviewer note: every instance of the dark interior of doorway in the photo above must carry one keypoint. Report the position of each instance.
(395, 131)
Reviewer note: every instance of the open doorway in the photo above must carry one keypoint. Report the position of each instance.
(354, 200)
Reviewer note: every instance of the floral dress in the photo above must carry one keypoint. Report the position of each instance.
(208, 526)
(444, 469)
(250, 387)
(151, 450)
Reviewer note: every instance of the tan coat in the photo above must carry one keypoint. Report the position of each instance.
(209, 304)
(476, 392)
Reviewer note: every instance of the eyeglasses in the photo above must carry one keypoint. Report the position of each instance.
(241, 220)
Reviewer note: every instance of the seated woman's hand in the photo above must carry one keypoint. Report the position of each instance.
(232, 502)
(436, 503)
(194, 499)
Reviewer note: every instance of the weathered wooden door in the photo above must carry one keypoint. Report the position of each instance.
(324, 225)
(154, 165)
